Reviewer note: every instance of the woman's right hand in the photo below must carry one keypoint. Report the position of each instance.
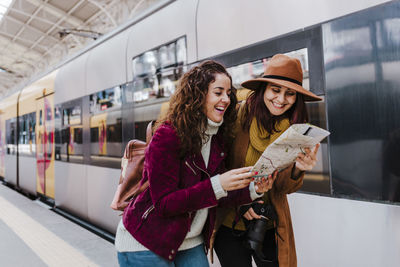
(250, 214)
(236, 178)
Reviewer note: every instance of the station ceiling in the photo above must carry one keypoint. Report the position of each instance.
(37, 34)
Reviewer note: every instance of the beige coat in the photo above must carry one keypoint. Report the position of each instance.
(283, 185)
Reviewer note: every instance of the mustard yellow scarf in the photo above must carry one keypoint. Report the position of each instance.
(260, 139)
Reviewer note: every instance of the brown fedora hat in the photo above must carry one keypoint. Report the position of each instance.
(285, 71)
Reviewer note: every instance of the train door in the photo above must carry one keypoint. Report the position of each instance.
(45, 146)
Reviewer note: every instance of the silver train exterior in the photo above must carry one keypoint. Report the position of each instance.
(347, 213)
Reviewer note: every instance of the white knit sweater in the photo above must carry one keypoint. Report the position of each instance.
(124, 240)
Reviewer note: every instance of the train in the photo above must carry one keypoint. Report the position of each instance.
(62, 134)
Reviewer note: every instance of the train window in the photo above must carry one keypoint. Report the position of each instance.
(106, 127)
(68, 131)
(166, 55)
(57, 125)
(11, 130)
(145, 88)
(181, 51)
(157, 71)
(362, 59)
(72, 115)
(105, 99)
(26, 142)
(316, 180)
(145, 64)
(140, 130)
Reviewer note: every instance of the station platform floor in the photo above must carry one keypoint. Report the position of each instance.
(33, 235)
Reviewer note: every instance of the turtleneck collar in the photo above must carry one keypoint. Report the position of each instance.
(213, 127)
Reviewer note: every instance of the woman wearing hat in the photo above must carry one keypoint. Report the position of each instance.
(276, 102)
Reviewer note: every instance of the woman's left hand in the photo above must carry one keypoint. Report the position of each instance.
(265, 184)
(306, 161)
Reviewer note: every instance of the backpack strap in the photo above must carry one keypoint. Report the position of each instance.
(149, 131)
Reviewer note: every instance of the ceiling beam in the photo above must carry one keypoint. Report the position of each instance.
(105, 11)
(13, 38)
(30, 28)
(60, 20)
(18, 58)
(57, 12)
(2, 34)
(30, 15)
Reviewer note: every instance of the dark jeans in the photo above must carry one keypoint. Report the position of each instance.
(232, 252)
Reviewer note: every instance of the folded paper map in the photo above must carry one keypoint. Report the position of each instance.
(284, 150)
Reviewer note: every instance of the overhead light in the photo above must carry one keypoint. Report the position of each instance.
(82, 33)
(4, 4)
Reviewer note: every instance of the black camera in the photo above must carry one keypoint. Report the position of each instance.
(257, 228)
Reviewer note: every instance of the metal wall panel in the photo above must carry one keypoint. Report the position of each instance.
(106, 65)
(71, 188)
(27, 174)
(229, 24)
(342, 232)
(70, 82)
(102, 183)
(362, 63)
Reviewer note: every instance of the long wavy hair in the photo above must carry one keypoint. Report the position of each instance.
(187, 107)
(255, 107)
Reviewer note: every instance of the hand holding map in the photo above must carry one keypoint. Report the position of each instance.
(284, 150)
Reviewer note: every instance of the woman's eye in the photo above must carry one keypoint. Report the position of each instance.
(276, 90)
(218, 93)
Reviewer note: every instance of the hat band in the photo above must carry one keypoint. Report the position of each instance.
(283, 78)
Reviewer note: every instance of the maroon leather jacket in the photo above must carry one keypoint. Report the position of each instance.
(161, 216)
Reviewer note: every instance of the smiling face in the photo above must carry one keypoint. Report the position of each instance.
(217, 98)
(279, 99)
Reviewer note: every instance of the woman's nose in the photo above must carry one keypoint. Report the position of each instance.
(281, 98)
(225, 98)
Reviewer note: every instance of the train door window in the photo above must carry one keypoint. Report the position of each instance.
(57, 131)
(11, 135)
(68, 124)
(316, 180)
(26, 143)
(106, 127)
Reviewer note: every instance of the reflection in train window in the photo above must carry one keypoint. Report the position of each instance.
(156, 72)
(106, 128)
(140, 130)
(26, 142)
(68, 131)
(72, 115)
(105, 99)
(11, 130)
(316, 180)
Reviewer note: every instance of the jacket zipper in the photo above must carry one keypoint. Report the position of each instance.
(147, 212)
(190, 167)
(205, 173)
(190, 221)
(201, 169)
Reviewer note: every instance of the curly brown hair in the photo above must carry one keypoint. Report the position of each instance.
(186, 110)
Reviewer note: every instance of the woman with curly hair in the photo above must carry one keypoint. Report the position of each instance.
(171, 222)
